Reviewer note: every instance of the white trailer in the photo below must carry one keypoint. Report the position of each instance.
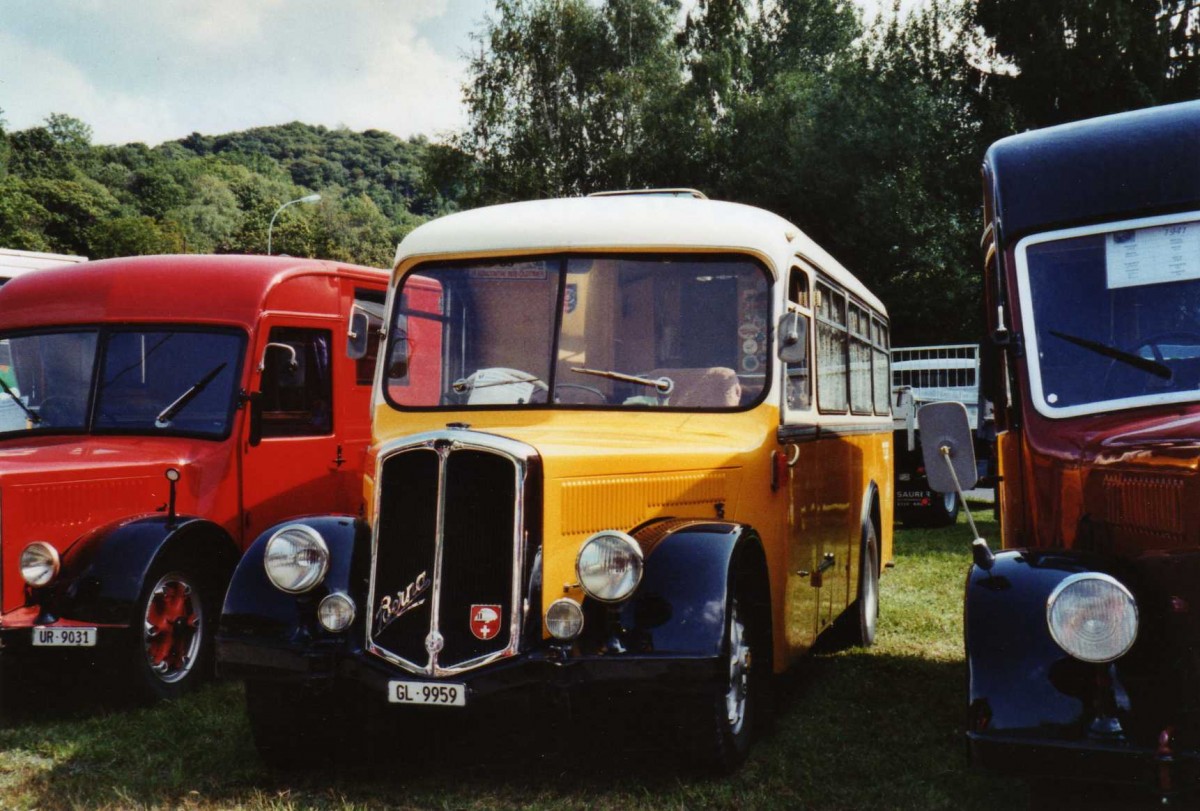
(14, 262)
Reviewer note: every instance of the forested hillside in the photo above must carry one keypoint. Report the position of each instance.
(867, 134)
(204, 194)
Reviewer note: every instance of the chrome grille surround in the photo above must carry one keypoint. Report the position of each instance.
(444, 443)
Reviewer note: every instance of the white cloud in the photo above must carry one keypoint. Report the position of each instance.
(152, 72)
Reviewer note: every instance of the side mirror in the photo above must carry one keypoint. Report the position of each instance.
(946, 434)
(793, 338)
(357, 333)
(256, 414)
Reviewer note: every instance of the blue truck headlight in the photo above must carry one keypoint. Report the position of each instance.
(1092, 617)
(335, 612)
(609, 566)
(296, 558)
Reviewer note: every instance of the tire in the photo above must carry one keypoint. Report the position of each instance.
(295, 727)
(944, 511)
(864, 614)
(172, 647)
(726, 722)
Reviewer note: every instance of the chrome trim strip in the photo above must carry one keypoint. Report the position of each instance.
(439, 547)
(454, 439)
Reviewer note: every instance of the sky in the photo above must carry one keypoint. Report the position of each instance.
(156, 70)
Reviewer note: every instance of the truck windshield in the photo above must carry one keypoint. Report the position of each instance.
(1115, 317)
(157, 381)
(681, 332)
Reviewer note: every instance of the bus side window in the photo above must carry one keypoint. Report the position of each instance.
(799, 375)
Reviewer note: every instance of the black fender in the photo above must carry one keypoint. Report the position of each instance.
(1019, 679)
(256, 610)
(103, 572)
(679, 608)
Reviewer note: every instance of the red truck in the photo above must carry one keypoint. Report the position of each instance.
(160, 414)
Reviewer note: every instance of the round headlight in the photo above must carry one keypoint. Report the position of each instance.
(564, 619)
(335, 612)
(1092, 617)
(296, 558)
(609, 566)
(39, 563)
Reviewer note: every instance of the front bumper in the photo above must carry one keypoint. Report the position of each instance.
(17, 629)
(1163, 770)
(543, 670)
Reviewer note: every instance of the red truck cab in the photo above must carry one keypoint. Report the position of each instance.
(160, 414)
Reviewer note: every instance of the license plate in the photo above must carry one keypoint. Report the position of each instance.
(64, 637)
(427, 693)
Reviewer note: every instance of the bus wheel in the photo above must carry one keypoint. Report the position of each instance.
(724, 726)
(944, 511)
(865, 613)
(294, 727)
(173, 642)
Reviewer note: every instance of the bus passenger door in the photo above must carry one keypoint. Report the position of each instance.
(798, 441)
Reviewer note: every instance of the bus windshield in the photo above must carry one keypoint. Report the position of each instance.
(1113, 317)
(162, 380)
(681, 332)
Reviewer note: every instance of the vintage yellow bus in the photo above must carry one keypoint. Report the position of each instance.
(630, 444)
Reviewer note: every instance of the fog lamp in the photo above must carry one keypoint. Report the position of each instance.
(609, 566)
(39, 563)
(335, 612)
(1092, 617)
(564, 619)
(296, 558)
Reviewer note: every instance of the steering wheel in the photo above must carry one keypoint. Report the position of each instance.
(56, 411)
(580, 387)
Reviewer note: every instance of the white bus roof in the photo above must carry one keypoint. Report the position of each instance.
(628, 221)
(14, 262)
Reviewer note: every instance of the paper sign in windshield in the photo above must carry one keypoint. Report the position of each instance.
(1168, 253)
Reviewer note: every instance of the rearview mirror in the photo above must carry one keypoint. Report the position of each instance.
(793, 338)
(357, 333)
(946, 434)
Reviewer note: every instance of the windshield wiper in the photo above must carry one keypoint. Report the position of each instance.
(167, 414)
(665, 385)
(1136, 361)
(34, 418)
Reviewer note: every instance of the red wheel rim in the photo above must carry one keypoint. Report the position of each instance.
(173, 628)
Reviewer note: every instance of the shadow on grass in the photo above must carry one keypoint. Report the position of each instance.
(852, 730)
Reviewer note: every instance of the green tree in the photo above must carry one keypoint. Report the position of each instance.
(1064, 60)
(133, 236)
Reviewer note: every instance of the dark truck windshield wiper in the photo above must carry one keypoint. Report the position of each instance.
(1136, 361)
(664, 384)
(167, 414)
(34, 418)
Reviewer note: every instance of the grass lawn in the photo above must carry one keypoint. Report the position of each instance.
(859, 729)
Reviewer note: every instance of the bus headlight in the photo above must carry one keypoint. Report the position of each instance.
(335, 612)
(39, 563)
(609, 566)
(1092, 617)
(564, 619)
(296, 558)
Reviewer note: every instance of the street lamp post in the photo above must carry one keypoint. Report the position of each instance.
(308, 198)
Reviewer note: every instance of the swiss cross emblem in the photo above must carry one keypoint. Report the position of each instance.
(485, 621)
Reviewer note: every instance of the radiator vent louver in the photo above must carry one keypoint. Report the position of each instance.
(1145, 507)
